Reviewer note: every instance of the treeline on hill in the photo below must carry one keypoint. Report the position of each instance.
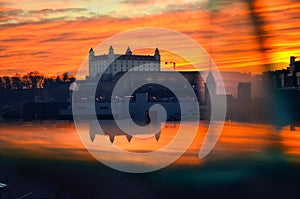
(34, 80)
(34, 96)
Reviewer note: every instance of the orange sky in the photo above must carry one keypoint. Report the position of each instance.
(55, 36)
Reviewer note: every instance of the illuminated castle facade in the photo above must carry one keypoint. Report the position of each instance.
(122, 63)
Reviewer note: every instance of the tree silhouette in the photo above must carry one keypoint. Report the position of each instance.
(49, 82)
(35, 80)
(7, 82)
(2, 82)
(65, 76)
(26, 82)
(17, 82)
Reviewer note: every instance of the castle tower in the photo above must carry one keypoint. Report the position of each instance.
(91, 56)
(111, 53)
(128, 51)
(157, 55)
(210, 87)
(111, 50)
(91, 52)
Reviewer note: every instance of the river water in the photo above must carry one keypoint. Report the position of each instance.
(60, 140)
(49, 160)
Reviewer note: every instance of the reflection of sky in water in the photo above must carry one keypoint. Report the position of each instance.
(59, 140)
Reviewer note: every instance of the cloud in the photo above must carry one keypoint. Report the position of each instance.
(13, 39)
(19, 16)
(5, 3)
(59, 37)
(190, 6)
(2, 48)
(138, 2)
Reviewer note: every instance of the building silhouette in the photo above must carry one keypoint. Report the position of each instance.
(284, 87)
(288, 78)
(244, 91)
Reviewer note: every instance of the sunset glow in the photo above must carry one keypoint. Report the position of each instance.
(54, 37)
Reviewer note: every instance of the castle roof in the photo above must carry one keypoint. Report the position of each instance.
(127, 57)
(137, 57)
